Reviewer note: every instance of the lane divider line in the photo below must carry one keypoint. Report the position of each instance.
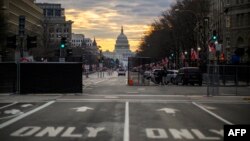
(126, 124)
(213, 114)
(8, 105)
(9, 122)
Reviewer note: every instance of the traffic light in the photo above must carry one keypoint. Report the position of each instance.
(69, 52)
(11, 42)
(63, 42)
(214, 36)
(31, 42)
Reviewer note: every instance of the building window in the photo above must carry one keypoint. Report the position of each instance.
(241, 1)
(58, 30)
(49, 12)
(237, 1)
(51, 30)
(240, 19)
(52, 35)
(44, 12)
(228, 2)
(58, 13)
(248, 19)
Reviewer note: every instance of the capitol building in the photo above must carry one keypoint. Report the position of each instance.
(122, 50)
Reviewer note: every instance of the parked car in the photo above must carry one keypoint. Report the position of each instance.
(171, 75)
(121, 71)
(147, 74)
(155, 76)
(189, 75)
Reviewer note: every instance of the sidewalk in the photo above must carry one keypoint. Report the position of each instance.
(29, 98)
(97, 77)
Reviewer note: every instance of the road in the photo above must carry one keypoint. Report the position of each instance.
(110, 110)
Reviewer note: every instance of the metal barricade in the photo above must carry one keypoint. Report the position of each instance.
(138, 68)
(228, 80)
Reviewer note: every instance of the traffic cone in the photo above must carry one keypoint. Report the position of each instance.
(130, 82)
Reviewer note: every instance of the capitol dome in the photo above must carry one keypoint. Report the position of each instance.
(122, 41)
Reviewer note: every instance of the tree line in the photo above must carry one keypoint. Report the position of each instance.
(177, 29)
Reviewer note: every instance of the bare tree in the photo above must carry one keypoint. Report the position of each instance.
(176, 30)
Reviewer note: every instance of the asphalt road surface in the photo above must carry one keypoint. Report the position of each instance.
(108, 110)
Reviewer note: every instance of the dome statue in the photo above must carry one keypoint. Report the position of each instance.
(122, 41)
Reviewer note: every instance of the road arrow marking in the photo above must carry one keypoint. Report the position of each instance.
(82, 109)
(169, 110)
(13, 111)
(26, 105)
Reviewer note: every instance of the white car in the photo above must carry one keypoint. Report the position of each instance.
(171, 74)
(121, 72)
(154, 76)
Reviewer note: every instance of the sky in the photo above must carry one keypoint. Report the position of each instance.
(103, 19)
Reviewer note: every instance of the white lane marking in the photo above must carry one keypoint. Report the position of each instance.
(126, 124)
(94, 131)
(161, 133)
(213, 114)
(208, 107)
(96, 95)
(168, 110)
(9, 122)
(111, 97)
(141, 89)
(10, 116)
(26, 105)
(82, 109)
(100, 81)
(124, 100)
(13, 111)
(132, 92)
(8, 105)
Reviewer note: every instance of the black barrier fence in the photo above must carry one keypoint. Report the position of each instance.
(8, 75)
(137, 71)
(42, 78)
(228, 80)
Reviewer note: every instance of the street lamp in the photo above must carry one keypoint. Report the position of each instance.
(199, 48)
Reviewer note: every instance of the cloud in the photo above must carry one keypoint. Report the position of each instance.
(104, 18)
